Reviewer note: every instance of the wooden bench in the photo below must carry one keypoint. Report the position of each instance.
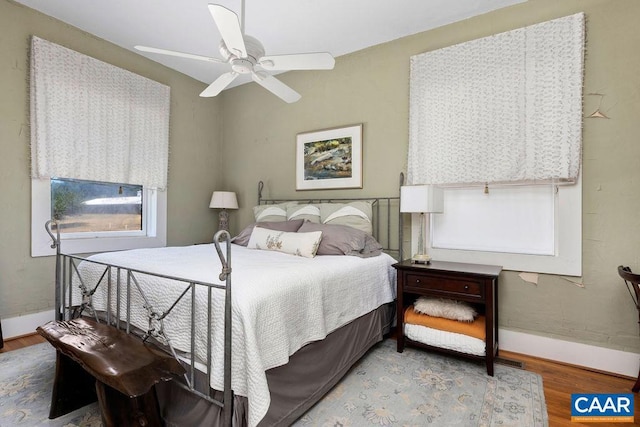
(97, 361)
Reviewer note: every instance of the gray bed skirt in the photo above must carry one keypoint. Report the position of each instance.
(295, 387)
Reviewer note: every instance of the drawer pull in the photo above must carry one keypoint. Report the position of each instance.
(466, 287)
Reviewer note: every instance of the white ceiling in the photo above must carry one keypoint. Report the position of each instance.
(283, 26)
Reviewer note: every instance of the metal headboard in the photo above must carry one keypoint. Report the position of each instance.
(386, 213)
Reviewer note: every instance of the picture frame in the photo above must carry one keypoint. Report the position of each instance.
(329, 158)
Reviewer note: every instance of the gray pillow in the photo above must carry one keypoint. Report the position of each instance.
(242, 239)
(343, 240)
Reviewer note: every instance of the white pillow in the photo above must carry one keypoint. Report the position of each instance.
(447, 308)
(300, 244)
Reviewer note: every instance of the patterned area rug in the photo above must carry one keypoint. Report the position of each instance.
(386, 388)
(419, 388)
(26, 381)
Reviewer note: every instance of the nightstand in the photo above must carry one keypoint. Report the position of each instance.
(474, 283)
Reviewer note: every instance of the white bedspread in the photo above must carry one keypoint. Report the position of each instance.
(280, 303)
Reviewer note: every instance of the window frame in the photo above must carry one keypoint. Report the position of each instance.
(154, 209)
(567, 259)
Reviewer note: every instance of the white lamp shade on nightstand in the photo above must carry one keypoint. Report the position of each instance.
(421, 199)
(223, 200)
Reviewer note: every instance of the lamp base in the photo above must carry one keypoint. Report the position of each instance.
(421, 259)
(223, 220)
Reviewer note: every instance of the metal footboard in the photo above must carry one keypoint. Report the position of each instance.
(118, 282)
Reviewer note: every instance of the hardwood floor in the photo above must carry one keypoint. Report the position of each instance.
(559, 381)
(20, 342)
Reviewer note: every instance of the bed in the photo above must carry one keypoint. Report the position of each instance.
(263, 350)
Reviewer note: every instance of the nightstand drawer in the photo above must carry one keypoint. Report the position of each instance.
(444, 286)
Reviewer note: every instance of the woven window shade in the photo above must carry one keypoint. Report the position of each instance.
(91, 120)
(502, 108)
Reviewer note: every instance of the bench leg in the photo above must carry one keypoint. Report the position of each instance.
(73, 387)
(119, 410)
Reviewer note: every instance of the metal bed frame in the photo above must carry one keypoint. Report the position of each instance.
(66, 273)
(67, 269)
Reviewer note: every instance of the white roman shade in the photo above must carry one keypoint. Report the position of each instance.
(499, 109)
(91, 120)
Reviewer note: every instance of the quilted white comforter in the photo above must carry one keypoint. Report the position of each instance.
(280, 303)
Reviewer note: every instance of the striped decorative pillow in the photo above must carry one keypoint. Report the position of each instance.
(274, 212)
(354, 214)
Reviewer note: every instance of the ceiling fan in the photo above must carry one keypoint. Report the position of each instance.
(246, 55)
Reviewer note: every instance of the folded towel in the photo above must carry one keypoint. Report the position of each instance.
(474, 329)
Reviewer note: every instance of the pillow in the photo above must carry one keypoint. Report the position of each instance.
(242, 239)
(343, 240)
(274, 212)
(447, 308)
(304, 212)
(300, 244)
(354, 214)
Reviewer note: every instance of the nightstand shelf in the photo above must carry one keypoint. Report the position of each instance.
(474, 283)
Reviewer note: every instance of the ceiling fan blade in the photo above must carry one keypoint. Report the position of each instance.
(276, 87)
(219, 84)
(300, 61)
(229, 27)
(178, 54)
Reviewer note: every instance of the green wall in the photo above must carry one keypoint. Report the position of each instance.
(26, 284)
(371, 87)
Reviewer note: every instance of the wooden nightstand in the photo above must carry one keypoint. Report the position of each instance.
(475, 283)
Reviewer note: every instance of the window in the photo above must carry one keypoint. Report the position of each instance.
(90, 208)
(94, 216)
(497, 220)
(98, 124)
(523, 228)
(505, 108)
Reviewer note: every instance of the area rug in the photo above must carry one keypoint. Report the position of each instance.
(419, 388)
(386, 388)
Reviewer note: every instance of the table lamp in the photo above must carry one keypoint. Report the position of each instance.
(223, 200)
(422, 199)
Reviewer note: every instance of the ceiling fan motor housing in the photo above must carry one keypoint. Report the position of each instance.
(240, 65)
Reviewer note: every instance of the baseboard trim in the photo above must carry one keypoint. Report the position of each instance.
(577, 354)
(588, 356)
(14, 327)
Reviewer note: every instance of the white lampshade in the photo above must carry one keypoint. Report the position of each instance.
(224, 200)
(421, 199)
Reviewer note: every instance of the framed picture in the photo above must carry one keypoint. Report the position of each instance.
(329, 159)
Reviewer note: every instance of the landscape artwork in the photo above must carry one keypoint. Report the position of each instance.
(330, 158)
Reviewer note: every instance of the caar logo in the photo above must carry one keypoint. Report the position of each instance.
(602, 408)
